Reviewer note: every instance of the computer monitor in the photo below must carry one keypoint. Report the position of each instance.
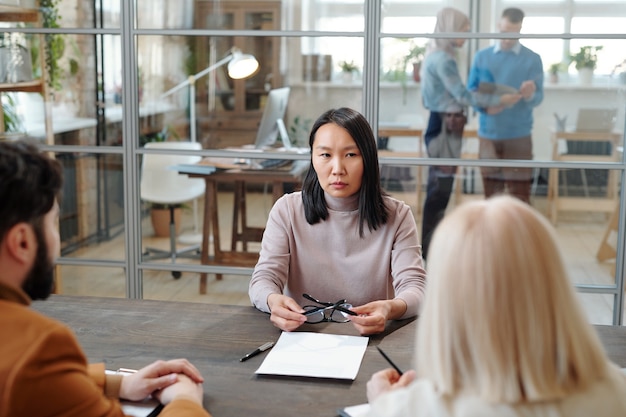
(274, 111)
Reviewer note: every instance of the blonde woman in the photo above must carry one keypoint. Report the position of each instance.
(501, 332)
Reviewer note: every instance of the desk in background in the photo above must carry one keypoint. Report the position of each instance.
(240, 230)
(606, 203)
(467, 152)
(405, 132)
(134, 333)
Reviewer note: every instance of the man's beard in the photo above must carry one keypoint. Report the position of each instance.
(39, 282)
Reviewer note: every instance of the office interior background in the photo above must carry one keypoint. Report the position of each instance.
(108, 65)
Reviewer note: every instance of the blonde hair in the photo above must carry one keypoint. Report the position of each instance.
(501, 320)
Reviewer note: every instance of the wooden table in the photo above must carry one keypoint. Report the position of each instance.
(605, 203)
(240, 230)
(133, 333)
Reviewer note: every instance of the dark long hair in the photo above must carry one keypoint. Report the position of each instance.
(372, 207)
(30, 181)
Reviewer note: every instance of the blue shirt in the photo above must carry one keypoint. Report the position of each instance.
(508, 67)
(442, 87)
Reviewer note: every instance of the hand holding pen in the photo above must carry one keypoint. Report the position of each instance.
(388, 379)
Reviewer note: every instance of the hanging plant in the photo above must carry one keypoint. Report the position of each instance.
(55, 43)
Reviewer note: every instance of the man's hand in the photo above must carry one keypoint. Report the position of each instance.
(527, 89)
(156, 376)
(286, 314)
(507, 100)
(183, 388)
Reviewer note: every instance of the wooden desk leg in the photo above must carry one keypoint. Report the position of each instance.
(553, 194)
(238, 209)
(243, 216)
(277, 190)
(215, 228)
(206, 231)
(58, 280)
(210, 229)
(606, 251)
(418, 188)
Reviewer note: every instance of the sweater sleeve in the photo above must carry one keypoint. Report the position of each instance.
(407, 265)
(109, 384)
(536, 76)
(54, 372)
(448, 72)
(183, 408)
(271, 271)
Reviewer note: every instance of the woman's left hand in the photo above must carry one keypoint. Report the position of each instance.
(371, 318)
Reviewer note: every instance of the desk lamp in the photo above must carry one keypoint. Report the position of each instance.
(240, 66)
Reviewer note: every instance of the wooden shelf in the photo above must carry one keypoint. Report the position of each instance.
(34, 86)
(18, 14)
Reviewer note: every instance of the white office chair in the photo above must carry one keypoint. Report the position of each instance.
(161, 183)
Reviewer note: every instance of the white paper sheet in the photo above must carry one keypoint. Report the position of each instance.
(360, 410)
(315, 355)
(143, 408)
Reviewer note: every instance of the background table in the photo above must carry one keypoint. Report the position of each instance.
(133, 333)
(240, 230)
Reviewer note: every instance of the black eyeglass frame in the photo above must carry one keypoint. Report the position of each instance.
(326, 306)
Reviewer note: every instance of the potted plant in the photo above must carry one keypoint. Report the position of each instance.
(347, 70)
(554, 72)
(620, 70)
(299, 130)
(585, 61)
(416, 57)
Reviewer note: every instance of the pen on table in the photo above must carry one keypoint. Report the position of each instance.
(256, 351)
(389, 360)
(126, 371)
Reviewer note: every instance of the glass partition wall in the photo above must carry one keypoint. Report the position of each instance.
(133, 74)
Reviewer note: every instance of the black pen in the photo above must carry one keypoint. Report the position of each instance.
(256, 351)
(389, 360)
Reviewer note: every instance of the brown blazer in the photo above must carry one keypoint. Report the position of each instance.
(44, 372)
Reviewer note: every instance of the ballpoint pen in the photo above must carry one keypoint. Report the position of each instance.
(256, 351)
(389, 360)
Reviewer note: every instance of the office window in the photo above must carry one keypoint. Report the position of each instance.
(613, 50)
(309, 39)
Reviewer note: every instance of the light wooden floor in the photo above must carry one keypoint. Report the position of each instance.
(579, 236)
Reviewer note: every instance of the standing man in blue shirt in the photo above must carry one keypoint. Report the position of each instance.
(505, 131)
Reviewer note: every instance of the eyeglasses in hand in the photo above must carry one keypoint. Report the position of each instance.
(333, 312)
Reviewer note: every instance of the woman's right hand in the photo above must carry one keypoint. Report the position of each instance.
(387, 380)
(286, 314)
